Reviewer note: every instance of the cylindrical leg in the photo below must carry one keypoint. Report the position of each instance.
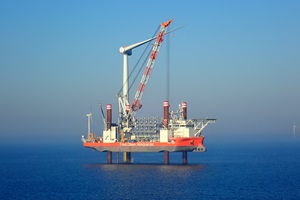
(166, 114)
(184, 157)
(166, 157)
(108, 116)
(109, 157)
(184, 109)
(126, 157)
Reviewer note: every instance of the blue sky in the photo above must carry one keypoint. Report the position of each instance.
(237, 61)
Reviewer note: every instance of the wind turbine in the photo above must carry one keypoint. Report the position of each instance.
(294, 130)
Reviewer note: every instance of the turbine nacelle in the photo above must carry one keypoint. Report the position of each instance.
(128, 49)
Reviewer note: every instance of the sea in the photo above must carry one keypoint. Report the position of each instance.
(228, 170)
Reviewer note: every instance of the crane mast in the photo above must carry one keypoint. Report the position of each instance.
(127, 112)
(136, 103)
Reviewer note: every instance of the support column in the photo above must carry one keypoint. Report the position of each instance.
(127, 157)
(117, 157)
(109, 157)
(184, 110)
(166, 114)
(166, 157)
(108, 116)
(184, 157)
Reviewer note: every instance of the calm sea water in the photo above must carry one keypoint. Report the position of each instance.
(225, 171)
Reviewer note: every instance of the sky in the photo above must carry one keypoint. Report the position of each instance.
(236, 61)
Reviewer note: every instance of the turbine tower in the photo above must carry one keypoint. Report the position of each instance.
(294, 130)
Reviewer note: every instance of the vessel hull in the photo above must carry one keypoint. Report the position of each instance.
(174, 145)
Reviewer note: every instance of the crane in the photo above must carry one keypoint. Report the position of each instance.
(127, 111)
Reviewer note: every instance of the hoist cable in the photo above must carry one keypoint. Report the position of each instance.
(168, 68)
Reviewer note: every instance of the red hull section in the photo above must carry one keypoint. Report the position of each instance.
(175, 145)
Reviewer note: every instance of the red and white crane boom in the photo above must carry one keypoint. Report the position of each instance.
(126, 111)
(136, 103)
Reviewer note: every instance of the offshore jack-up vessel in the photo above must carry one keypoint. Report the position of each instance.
(174, 133)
